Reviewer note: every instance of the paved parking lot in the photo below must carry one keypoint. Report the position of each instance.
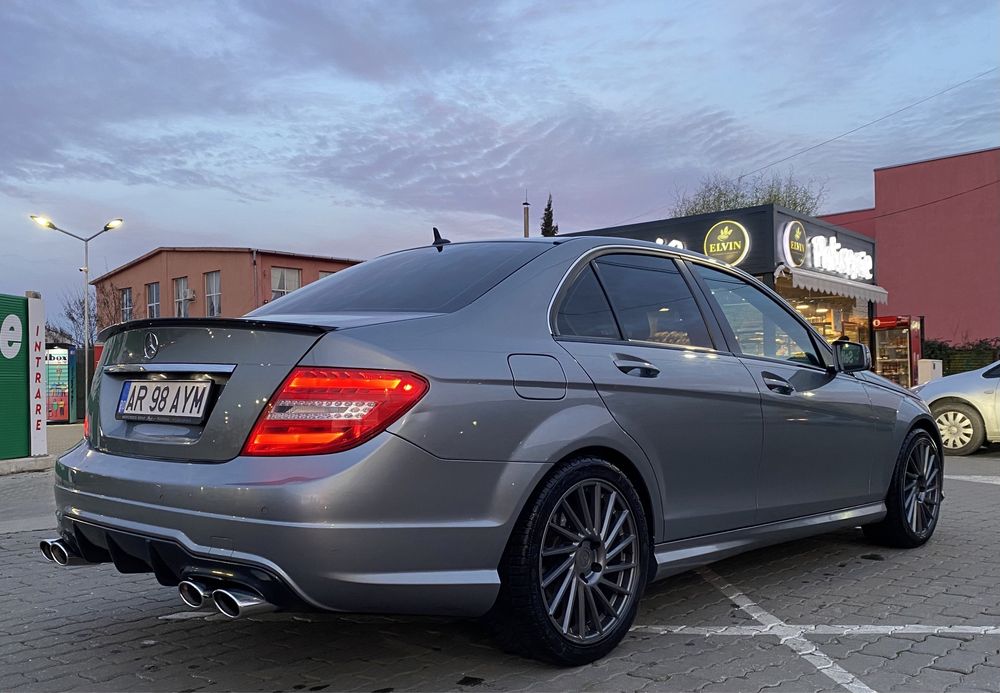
(828, 613)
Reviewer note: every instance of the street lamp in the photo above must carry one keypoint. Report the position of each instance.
(46, 223)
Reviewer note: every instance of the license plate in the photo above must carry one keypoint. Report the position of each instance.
(174, 401)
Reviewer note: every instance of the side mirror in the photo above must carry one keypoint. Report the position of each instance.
(851, 357)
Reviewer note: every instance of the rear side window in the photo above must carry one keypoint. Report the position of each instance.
(585, 311)
(422, 280)
(993, 372)
(652, 301)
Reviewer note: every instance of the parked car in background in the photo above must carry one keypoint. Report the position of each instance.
(532, 429)
(966, 408)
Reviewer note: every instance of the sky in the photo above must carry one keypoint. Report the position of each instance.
(350, 128)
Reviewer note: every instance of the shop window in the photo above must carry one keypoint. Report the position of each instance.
(832, 316)
(153, 300)
(213, 294)
(585, 311)
(284, 280)
(652, 301)
(761, 325)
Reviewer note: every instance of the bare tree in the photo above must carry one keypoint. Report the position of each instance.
(717, 192)
(71, 320)
(105, 309)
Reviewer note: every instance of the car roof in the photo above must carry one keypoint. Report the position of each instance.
(579, 242)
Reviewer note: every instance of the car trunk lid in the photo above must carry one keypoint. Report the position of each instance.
(243, 362)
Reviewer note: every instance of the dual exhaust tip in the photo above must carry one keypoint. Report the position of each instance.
(59, 552)
(231, 602)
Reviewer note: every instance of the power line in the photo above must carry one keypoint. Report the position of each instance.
(870, 122)
(837, 137)
(922, 204)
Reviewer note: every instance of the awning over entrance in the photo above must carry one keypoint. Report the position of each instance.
(815, 281)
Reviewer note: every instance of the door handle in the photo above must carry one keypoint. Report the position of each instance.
(641, 369)
(777, 384)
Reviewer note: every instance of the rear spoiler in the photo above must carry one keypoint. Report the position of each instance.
(221, 323)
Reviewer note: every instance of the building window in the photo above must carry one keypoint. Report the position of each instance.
(326, 273)
(180, 297)
(213, 294)
(283, 280)
(126, 303)
(153, 300)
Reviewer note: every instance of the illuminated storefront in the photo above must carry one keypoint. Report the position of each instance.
(826, 272)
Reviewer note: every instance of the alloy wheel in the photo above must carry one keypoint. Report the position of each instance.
(588, 561)
(956, 429)
(922, 487)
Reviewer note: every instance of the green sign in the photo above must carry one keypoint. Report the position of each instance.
(14, 347)
(22, 376)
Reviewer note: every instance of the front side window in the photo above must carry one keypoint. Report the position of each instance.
(126, 303)
(153, 300)
(180, 297)
(213, 294)
(652, 301)
(284, 280)
(761, 325)
(585, 312)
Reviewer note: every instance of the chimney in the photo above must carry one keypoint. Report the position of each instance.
(526, 205)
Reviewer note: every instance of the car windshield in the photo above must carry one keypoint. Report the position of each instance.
(422, 280)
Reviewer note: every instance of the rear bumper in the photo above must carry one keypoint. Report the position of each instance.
(385, 527)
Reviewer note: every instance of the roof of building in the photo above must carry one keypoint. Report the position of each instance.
(939, 158)
(217, 249)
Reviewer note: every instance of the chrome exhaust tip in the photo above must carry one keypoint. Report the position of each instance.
(60, 554)
(45, 546)
(236, 603)
(194, 594)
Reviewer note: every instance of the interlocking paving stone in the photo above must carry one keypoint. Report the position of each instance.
(88, 627)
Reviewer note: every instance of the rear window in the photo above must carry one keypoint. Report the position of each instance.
(422, 280)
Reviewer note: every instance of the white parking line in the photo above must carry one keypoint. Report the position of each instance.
(789, 636)
(974, 478)
(834, 629)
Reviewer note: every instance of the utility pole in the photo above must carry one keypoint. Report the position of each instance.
(526, 205)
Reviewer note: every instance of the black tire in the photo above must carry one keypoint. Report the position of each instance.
(901, 527)
(951, 418)
(521, 617)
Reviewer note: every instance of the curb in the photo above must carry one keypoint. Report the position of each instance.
(41, 463)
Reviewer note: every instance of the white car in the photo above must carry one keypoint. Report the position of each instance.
(966, 408)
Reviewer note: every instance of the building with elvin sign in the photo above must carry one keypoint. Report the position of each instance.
(825, 271)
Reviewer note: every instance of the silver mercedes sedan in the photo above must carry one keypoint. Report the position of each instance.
(531, 430)
(966, 407)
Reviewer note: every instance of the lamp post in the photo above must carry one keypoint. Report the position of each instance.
(46, 223)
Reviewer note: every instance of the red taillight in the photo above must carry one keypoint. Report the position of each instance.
(86, 428)
(319, 410)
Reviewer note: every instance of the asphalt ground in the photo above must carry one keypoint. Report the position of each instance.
(829, 613)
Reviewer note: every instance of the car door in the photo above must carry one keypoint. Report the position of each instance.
(819, 425)
(634, 325)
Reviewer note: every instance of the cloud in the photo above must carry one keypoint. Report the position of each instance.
(448, 108)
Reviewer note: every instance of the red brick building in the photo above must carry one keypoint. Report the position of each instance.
(937, 224)
(204, 282)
